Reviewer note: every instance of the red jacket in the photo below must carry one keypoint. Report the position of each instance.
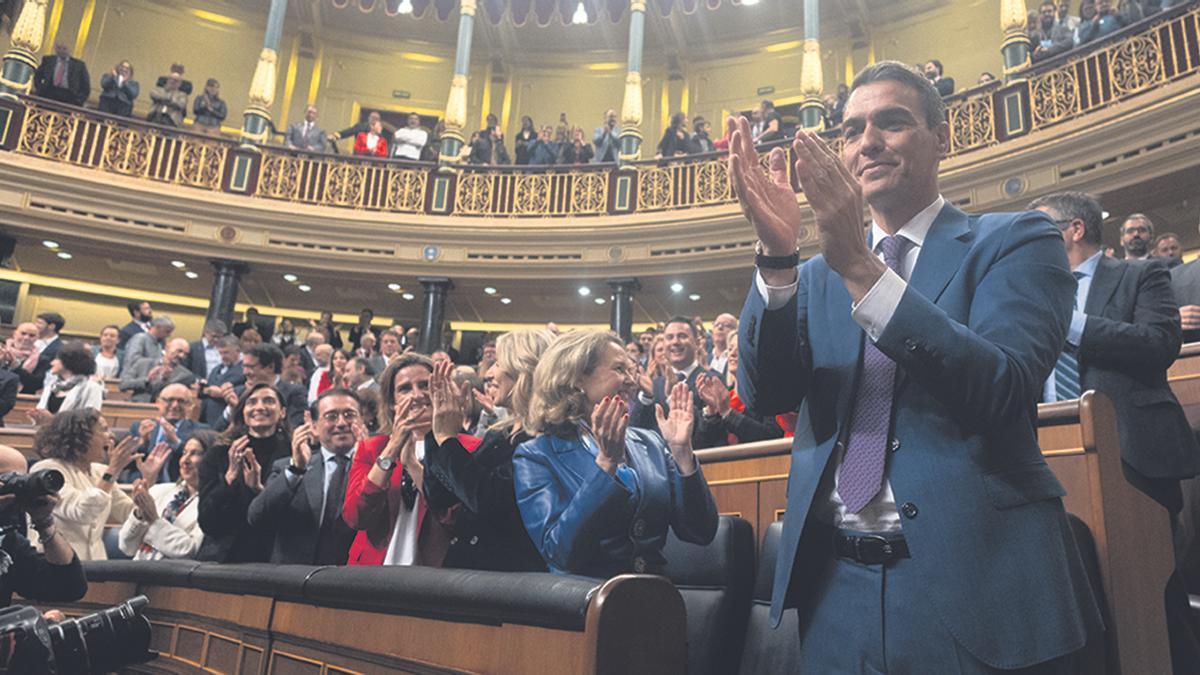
(372, 510)
(360, 146)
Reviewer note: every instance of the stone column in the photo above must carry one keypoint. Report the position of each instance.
(631, 107)
(227, 274)
(621, 319)
(456, 104)
(1016, 48)
(256, 120)
(812, 83)
(433, 312)
(21, 60)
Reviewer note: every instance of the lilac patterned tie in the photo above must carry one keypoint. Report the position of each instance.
(866, 453)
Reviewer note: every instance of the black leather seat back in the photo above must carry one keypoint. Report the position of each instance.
(770, 651)
(716, 582)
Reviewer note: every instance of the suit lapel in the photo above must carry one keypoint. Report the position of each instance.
(1104, 284)
(946, 244)
(314, 484)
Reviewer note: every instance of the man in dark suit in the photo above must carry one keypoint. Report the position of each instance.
(682, 343)
(49, 325)
(146, 378)
(301, 502)
(10, 386)
(62, 77)
(140, 315)
(263, 363)
(306, 135)
(223, 381)
(934, 71)
(920, 510)
(1185, 282)
(363, 327)
(309, 359)
(1123, 336)
(173, 426)
(264, 326)
(203, 354)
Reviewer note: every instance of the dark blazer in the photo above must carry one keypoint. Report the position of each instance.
(292, 514)
(223, 507)
(488, 531)
(183, 431)
(128, 331)
(117, 100)
(584, 521)
(357, 332)
(197, 363)
(1131, 337)
(34, 578)
(974, 337)
(31, 382)
(1185, 283)
(315, 141)
(79, 84)
(212, 410)
(10, 386)
(307, 362)
(643, 416)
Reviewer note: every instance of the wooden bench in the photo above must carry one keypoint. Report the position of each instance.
(120, 414)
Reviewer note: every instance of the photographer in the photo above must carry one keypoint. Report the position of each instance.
(55, 575)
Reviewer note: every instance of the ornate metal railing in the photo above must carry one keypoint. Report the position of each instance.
(1155, 52)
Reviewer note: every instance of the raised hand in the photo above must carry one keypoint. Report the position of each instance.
(145, 428)
(151, 465)
(169, 431)
(448, 409)
(120, 456)
(402, 429)
(610, 419)
(143, 502)
(302, 439)
(236, 449)
(769, 204)
(714, 395)
(485, 401)
(251, 471)
(229, 394)
(360, 431)
(676, 426)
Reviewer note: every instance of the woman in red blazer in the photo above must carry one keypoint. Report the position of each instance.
(372, 142)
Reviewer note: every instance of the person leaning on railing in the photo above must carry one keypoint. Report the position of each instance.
(597, 495)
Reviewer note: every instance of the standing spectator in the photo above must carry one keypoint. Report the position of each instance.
(209, 109)
(33, 371)
(328, 328)
(146, 378)
(285, 336)
(1106, 21)
(372, 142)
(148, 345)
(772, 121)
(756, 124)
(264, 364)
(839, 105)
(1130, 11)
(936, 74)
(264, 328)
(19, 346)
(307, 135)
(105, 354)
(140, 316)
(364, 326)
(77, 443)
(1136, 234)
(203, 355)
(433, 148)
(985, 78)
(607, 139)
(562, 130)
(700, 143)
(525, 136)
(1051, 37)
(1063, 16)
(168, 102)
(724, 327)
(165, 522)
(409, 141)
(170, 430)
(675, 138)
(1085, 31)
(479, 148)
(312, 356)
(368, 353)
(1185, 282)
(220, 387)
(578, 150)
(499, 151)
(543, 151)
(1167, 247)
(70, 385)
(118, 90)
(62, 77)
(682, 341)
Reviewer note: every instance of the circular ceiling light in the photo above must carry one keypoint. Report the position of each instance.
(585, 291)
(50, 244)
(191, 275)
(694, 296)
(676, 287)
(407, 296)
(291, 278)
(304, 288)
(505, 301)
(178, 264)
(64, 255)
(394, 287)
(489, 290)
(599, 301)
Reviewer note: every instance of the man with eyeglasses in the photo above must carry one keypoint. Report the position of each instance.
(172, 427)
(1136, 234)
(302, 500)
(723, 326)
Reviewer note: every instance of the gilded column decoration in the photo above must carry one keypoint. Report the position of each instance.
(256, 120)
(1016, 48)
(812, 81)
(456, 103)
(20, 62)
(631, 107)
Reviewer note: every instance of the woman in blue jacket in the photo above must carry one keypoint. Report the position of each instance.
(597, 496)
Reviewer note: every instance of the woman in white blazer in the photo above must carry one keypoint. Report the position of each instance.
(164, 522)
(79, 444)
(70, 385)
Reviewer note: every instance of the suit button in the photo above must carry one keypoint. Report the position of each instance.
(895, 444)
(839, 447)
(639, 527)
(639, 565)
(910, 344)
(909, 510)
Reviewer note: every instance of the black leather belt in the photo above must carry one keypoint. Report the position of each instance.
(870, 549)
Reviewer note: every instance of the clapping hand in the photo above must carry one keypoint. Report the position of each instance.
(675, 426)
(449, 411)
(610, 419)
(302, 442)
(486, 402)
(150, 465)
(714, 395)
(120, 456)
(768, 203)
(251, 471)
(169, 431)
(147, 510)
(236, 449)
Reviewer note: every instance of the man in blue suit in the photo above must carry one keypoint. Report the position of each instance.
(924, 532)
(173, 426)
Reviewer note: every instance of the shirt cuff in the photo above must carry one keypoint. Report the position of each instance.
(876, 308)
(1075, 330)
(291, 478)
(775, 296)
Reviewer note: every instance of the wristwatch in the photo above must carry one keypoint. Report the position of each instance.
(297, 470)
(386, 463)
(775, 262)
(106, 477)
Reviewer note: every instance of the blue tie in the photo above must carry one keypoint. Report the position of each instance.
(1066, 370)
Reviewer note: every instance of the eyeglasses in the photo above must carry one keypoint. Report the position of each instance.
(170, 400)
(333, 415)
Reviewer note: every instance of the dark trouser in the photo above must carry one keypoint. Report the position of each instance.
(866, 619)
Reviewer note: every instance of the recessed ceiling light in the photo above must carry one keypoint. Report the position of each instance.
(291, 278)
(407, 296)
(1105, 215)
(505, 301)
(64, 255)
(304, 288)
(676, 287)
(394, 287)
(694, 296)
(50, 244)
(191, 275)
(599, 301)
(489, 290)
(178, 264)
(585, 291)
(749, 3)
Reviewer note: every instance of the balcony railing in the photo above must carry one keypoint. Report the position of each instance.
(1156, 52)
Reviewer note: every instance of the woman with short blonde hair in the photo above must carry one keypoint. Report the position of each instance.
(596, 495)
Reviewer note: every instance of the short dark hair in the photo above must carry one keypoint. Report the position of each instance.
(237, 416)
(229, 341)
(267, 355)
(683, 320)
(331, 392)
(365, 364)
(937, 64)
(54, 319)
(1164, 236)
(894, 71)
(1138, 216)
(387, 385)
(112, 326)
(135, 307)
(216, 326)
(77, 358)
(768, 103)
(67, 435)
(368, 310)
(1071, 205)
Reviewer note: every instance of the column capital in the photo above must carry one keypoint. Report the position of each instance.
(624, 285)
(229, 266)
(441, 283)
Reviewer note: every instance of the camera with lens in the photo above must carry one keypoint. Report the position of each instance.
(30, 486)
(104, 642)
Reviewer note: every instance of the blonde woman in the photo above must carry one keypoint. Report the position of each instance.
(598, 496)
(488, 531)
(165, 519)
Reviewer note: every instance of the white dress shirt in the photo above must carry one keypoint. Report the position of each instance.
(402, 549)
(327, 456)
(872, 312)
(409, 142)
(1084, 273)
(212, 357)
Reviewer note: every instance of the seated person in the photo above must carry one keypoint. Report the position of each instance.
(70, 385)
(106, 355)
(231, 476)
(597, 495)
(19, 347)
(301, 505)
(724, 410)
(172, 428)
(79, 444)
(54, 575)
(164, 521)
(487, 528)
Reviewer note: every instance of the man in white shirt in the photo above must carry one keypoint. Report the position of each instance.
(410, 140)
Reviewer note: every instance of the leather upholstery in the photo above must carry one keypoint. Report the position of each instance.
(769, 651)
(716, 583)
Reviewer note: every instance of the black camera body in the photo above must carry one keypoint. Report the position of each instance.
(31, 486)
(104, 642)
